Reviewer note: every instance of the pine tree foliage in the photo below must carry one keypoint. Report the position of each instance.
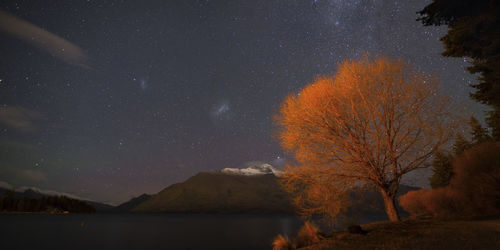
(461, 144)
(479, 134)
(474, 28)
(442, 162)
(442, 170)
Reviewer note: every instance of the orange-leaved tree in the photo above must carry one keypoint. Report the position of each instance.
(369, 124)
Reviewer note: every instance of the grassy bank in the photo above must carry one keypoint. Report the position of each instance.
(423, 234)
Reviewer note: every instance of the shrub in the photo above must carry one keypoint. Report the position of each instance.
(444, 203)
(412, 203)
(474, 188)
(282, 243)
(309, 234)
(439, 203)
(477, 177)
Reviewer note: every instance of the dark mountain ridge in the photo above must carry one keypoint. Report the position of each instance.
(216, 192)
(53, 202)
(132, 203)
(223, 192)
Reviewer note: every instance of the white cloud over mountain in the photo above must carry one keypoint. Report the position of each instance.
(253, 168)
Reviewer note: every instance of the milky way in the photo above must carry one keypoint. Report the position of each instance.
(178, 87)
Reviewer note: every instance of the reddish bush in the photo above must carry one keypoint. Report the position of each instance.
(309, 234)
(412, 203)
(477, 177)
(282, 243)
(441, 202)
(473, 190)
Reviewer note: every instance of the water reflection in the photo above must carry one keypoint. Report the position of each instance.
(143, 231)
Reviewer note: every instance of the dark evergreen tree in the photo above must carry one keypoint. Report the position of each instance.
(442, 170)
(442, 162)
(474, 28)
(461, 144)
(479, 134)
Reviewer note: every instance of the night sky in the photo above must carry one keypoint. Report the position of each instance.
(110, 99)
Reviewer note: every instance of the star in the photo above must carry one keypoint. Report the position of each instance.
(144, 84)
(227, 75)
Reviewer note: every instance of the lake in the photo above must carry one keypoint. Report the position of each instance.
(142, 231)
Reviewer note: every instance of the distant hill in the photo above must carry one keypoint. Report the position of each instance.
(34, 194)
(28, 193)
(251, 190)
(219, 192)
(100, 207)
(132, 203)
(31, 201)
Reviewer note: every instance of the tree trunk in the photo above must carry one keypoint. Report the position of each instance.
(390, 206)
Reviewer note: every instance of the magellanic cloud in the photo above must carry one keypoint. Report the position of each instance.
(19, 118)
(45, 40)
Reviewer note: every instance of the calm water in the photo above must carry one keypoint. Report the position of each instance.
(142, 231)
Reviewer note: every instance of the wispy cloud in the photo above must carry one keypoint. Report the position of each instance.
(5, 185)
(45, 40)
(23, 175)
(19, 118)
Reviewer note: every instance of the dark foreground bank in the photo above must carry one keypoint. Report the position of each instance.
(425, 234)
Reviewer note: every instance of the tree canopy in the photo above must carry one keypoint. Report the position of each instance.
(442, 162)
(474, 28)
(371, 123)
(442, 170)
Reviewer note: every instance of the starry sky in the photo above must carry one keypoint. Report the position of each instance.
(110, 99)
